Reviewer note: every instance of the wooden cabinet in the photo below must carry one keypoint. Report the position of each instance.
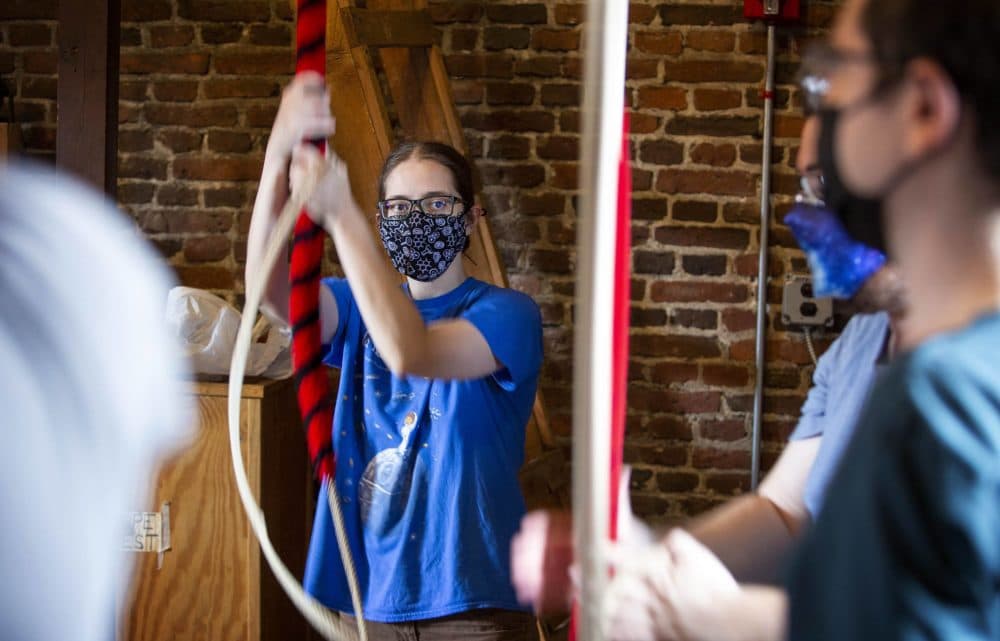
(213, 583)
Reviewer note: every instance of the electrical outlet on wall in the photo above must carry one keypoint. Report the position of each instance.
(799, 306)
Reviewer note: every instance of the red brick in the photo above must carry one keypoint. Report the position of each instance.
(509, 148)
(637, 69)
(217, 34)
(240, 88)
(130, 166)
(722, 183)
(717, 40)
(225, 197)
(667, 98)
(234, 168)
(665, 373)
(40, 62)
(134, 192)
(561, 95)
(191, 115)
(675, 291)
(713, 125)
(661, 152)
(519, 175)
(517, 13)
(713, 458)
(701, 265)
(261, 115)
(207, 249)
(541, 66)
(278, 35)
(694, 211)
(509, 93)
(728, 483)
(739, 320)
(559, 147)
(717, 99)
(175, 90)
(676, 481)
(639, 13)
(701, 14)
(661, 43)
(712, 71)
(133, 140)
(133, 90)
(179, 140)
(509, 120)
(224, 10)
(549, 261)
(642, 123)
(653, 262)
(171, 36)
(162, 62)
(251, 62)
(725, 375)
(570, 14)
(690, 236)
(464, 39)
(722, 430)
(500, 38)
(555, 40)
(479, 65)
(173, 195)
(564, 175)
(449, 12)
(146, 10)
(714, 155)
(468, 92)
(695, 318)
(205, 277)
(665, 427)
(787, 126)
(676, 346)
(541, 205)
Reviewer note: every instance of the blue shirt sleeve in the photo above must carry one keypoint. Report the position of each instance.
(333, 352)
(511, 323)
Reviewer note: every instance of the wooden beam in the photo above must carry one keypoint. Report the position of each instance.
(373, 28)
(87, 133)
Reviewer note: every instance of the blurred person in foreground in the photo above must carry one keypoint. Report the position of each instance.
(92, 396)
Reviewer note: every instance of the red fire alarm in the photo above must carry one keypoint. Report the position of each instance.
(772, 10)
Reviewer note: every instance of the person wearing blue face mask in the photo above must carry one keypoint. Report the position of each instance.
(437, 383)
(907, 544)
(720, 583)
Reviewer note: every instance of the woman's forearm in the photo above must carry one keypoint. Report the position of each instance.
(272, 193)
(395, 324)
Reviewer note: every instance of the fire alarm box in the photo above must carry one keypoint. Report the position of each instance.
(772, 10)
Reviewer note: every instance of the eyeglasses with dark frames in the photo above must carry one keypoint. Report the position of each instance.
(434, 205)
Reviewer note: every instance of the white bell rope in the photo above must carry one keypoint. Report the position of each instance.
(327, 622)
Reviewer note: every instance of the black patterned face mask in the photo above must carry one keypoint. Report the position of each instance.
(423, 246)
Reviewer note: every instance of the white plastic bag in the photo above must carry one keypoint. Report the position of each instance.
(207, 327)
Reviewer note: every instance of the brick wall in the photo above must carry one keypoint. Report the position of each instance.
(199, 88)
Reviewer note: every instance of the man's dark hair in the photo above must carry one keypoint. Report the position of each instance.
(963, 36)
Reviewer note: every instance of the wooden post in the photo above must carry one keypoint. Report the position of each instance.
(87, 134)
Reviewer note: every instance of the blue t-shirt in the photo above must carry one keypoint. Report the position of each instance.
(427, 468)
(844, 376)
(907, 546)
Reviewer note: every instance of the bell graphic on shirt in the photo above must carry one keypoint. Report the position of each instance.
(385, 484)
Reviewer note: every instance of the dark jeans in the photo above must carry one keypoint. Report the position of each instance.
(474, 625)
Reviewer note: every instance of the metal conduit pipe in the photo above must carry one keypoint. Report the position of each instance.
(762, 275)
